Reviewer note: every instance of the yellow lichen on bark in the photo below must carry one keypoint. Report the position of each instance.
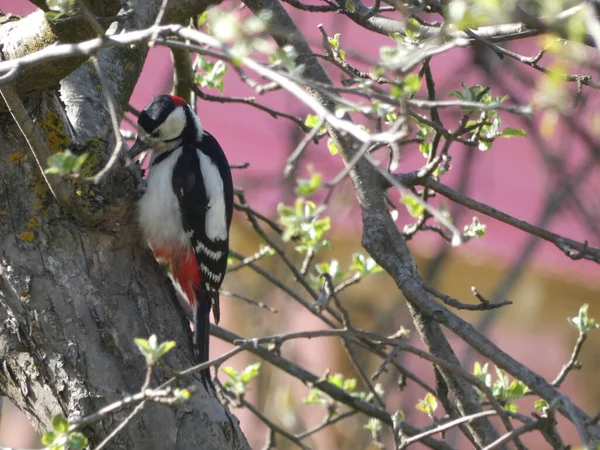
(27, 236)
(16, 157)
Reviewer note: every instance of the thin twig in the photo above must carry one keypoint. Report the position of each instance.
(122, 425)
(570, 247)
(446, 426)
(247, 300)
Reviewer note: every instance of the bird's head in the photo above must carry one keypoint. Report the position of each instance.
(164, 124)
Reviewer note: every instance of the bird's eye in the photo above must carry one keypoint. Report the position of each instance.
(155, 134)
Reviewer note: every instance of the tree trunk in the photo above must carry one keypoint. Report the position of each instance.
(73, 296)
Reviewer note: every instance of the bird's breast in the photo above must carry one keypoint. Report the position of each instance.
(158, 210)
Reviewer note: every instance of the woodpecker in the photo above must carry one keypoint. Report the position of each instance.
(185, 212)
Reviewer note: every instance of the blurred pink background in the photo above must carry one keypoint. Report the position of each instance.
(514, 177)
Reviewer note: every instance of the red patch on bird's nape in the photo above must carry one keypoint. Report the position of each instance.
(177, 101)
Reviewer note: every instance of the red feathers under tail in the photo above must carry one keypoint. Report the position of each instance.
(186, 273)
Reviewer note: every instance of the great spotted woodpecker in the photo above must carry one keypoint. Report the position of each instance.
(185, 213)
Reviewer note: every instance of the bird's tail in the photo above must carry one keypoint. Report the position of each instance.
(202, 307)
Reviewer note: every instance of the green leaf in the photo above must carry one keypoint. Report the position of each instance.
(513, 132)
(311, 120)
(284, 210)
(65, 163)
(583, 322)
(183, 394)
(202, 18)
(541, 405)
(475, 229)
(485, 145)
(48, 438)
(77, 441)
(310, 186)
(60, 425)
(425, 148)
(413, 29)
(335, 41)
(511, 407)
(231, 372)
(411, 84)
(374, 425)
(456, 94)
(314, 397)
(336, 379)
(364, 265)
(333, 150)
(349, 385)
(428, 405)
(397, 417)
(396, 91)
(165, 347)
(250, 372)
(414, 207)
(143, 346)
(431, 401)
(387, 54)
(516, 390)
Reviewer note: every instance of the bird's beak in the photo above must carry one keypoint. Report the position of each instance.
(138, 147)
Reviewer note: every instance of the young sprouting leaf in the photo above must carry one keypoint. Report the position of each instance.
(307, 187)
(349, 385)
(48, 438)
(65, 163)
(335, 41)
(77, 441)
(541, 405)
(475, 229)
(60, 425)
(411, 84)
(374, 425)
(143, 346)
(516, 390)
(230, 372)
(152, 350)
(513, 132)
(413, 29)
(428, 405)
(311, 120)
(583, 322)
(413, 206)
(333, 149)
(164, 348)
(250, 372)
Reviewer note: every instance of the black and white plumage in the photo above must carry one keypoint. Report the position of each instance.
(186, 211)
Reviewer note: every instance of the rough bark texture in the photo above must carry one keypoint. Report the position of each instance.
(73, 297)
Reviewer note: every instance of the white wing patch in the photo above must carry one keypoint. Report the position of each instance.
(173, 125)
(206, 272)
(212, 254)
(216, 223)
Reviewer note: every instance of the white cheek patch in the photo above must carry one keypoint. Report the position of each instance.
(173, 126)
(216, 223)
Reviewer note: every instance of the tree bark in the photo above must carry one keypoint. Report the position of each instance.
(74, 296)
